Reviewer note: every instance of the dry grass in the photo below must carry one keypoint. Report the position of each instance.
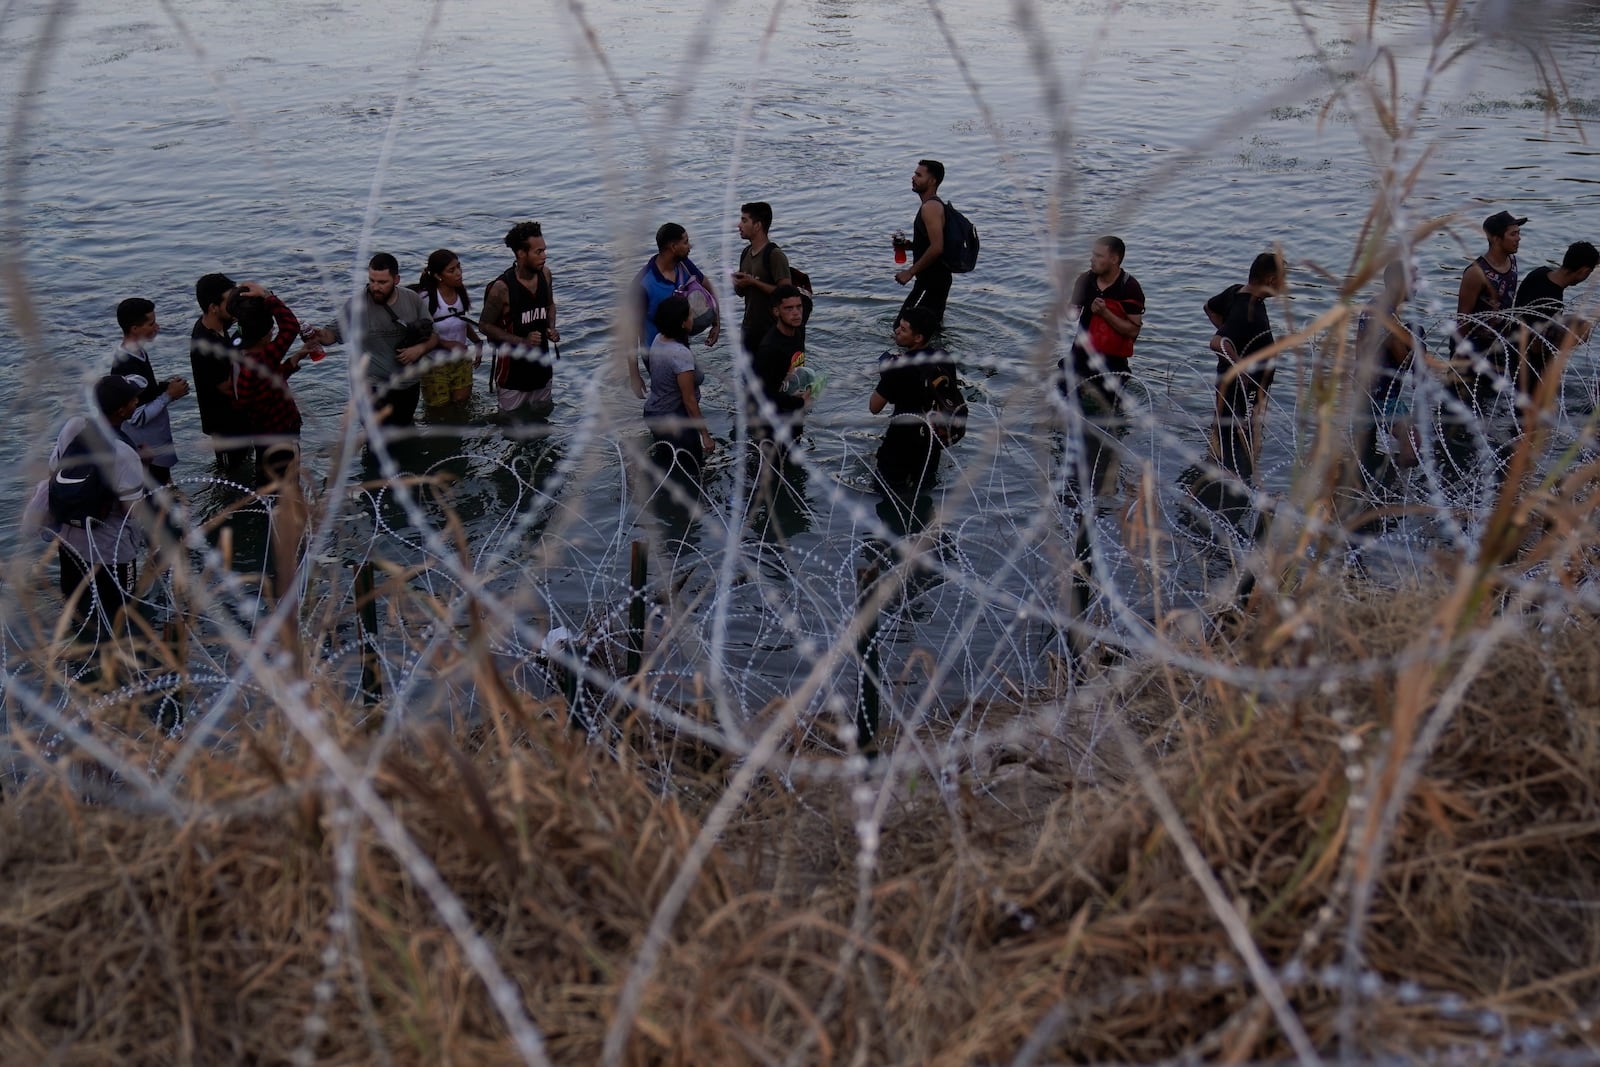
(1015, 900)
(1394, 794)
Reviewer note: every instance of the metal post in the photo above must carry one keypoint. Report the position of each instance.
(174, 637)
(572, 687)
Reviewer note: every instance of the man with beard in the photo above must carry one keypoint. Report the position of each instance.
(396, 332)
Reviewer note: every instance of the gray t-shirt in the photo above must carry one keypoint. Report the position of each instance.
(666, 361)
(380, 333)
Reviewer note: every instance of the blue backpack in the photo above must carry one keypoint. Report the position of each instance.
(960, 241)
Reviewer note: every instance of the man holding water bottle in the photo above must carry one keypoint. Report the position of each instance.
(927, 267)
(396, 332)
(260, 386)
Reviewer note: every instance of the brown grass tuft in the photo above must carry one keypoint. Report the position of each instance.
(1013, 904)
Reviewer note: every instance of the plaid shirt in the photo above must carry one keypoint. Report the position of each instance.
(260, 392)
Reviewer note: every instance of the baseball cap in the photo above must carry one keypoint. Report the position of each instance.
(1500, 222)
(113, 391)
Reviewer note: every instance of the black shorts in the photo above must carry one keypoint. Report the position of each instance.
(678, 449)
(96, 593)
(930, 291)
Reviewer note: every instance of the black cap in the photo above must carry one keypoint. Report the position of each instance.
(112, 392)
(1500, 222)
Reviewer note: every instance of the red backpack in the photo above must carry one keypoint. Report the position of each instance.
(1105, 340)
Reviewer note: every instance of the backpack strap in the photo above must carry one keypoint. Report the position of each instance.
(766, 260)
(385, 306)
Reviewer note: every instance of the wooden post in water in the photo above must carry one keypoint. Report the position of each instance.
(638, 578)
(867, 652)
(367, 633)
(1078, 594)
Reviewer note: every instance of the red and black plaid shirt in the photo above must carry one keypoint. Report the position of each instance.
(260, 390)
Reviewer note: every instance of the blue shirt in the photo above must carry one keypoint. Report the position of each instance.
(656, 287)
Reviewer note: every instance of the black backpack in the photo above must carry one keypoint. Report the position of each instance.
(947, 415)
(799, 279)
(79, 489)
(960, 241)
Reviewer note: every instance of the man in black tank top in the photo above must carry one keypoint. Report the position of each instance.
(932, 277)
(1488, 293)
(519, 313)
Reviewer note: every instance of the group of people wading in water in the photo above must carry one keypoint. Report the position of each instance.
(1509, 333)
(110, 484)
(423, 343)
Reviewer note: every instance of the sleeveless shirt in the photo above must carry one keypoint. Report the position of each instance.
(1491, 312)
(1502, 284)
(919, 244)
(527, 311)
(449, 320)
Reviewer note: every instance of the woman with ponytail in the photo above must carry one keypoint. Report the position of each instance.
(446, 298)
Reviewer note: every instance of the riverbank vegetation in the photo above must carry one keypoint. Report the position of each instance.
(1396, 862)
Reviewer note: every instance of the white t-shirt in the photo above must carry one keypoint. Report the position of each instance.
(448, 322)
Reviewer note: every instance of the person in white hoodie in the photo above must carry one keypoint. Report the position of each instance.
(150, 427)
(89, 506)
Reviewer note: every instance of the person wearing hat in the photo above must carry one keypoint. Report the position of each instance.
(98, 553)
(1489, 284)
(1483, 305)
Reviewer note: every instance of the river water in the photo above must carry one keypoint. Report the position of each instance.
(284, 142)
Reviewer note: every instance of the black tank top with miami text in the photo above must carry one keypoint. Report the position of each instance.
(527, 311)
